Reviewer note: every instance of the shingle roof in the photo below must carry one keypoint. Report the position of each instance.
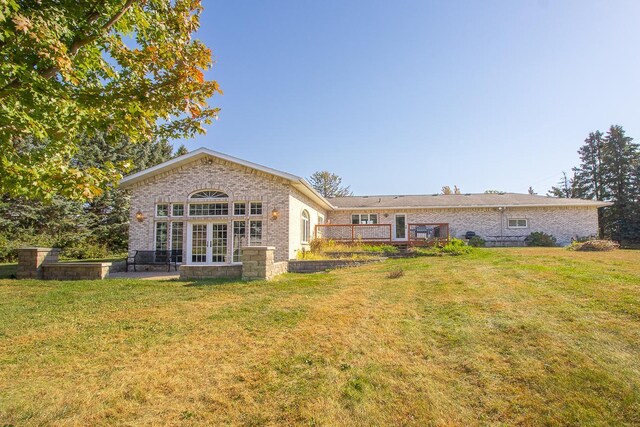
(456, 201)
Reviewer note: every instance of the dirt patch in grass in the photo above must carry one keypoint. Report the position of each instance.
(501, 336)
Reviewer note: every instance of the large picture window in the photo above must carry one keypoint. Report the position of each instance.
(364, 219)
(208, 209)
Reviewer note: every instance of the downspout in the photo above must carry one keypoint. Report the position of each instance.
(501, 210)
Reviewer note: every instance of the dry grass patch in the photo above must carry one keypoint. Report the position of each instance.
(502, 336)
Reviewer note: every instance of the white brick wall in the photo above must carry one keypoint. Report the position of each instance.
(562, 222)
(239, 182)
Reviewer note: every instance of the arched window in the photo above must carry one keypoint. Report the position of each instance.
(209, 194)
(306, 226)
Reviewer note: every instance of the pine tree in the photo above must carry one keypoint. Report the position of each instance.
(588, 180)
(181, 151)
(329, 184)
(620, 161)
(565, 188)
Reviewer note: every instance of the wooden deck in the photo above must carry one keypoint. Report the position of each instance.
(416, 234)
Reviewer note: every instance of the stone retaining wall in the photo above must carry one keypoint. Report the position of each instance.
(76, 271)
(211, 271)
(31, 260)
(315, 266)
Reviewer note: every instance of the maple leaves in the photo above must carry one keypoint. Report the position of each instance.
(129, 68)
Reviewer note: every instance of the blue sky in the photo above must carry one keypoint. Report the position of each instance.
(403, 97)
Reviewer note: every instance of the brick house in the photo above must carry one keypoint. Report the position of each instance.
(207, 205)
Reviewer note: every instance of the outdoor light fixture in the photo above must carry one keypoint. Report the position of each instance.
(275, 213)
(139, 216)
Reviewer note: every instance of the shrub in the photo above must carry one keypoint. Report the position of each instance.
(84, 249)
(477, 242)
(594, 245)
(387, 249)
(317, 245)
(453, 247)
(395, 274)
(538, 238)
(456, 247)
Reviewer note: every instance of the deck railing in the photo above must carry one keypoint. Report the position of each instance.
(354, 232)
(428, 232)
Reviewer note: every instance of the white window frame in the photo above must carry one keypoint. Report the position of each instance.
(238, 204)
(251, 238)
(173, 205)
(526, 223)
(305, 226)
(221, 204)
(158, 206)
(364, 215)
(167, 237)
(251, 208)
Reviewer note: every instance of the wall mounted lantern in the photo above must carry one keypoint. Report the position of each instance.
(275, 214)
(139, 216)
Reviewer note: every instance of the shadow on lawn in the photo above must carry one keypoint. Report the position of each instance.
(207, 282)
(8, 271)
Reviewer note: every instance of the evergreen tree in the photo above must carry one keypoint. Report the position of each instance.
(588, 177)
(620, 162)
(89, 229)
(609, 171)
(329, 184)
(181, 151)
(565, 188)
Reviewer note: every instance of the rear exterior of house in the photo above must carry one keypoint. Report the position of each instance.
(204, 206)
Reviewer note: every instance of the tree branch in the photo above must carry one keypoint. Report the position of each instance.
(49, 73)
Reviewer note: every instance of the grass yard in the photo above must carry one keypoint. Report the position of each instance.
(499, 337)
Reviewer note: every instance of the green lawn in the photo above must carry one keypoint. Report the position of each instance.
(499, 337)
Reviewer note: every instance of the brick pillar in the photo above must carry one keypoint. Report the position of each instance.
(30, 261)
(257, 262)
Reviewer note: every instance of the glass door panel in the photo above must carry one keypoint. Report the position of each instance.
(400, 227)
(218, 242)
(199, 242)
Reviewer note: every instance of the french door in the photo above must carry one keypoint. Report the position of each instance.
(207, 243)
(400, 227)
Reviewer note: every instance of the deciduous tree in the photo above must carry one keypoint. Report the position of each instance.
(118, 68)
